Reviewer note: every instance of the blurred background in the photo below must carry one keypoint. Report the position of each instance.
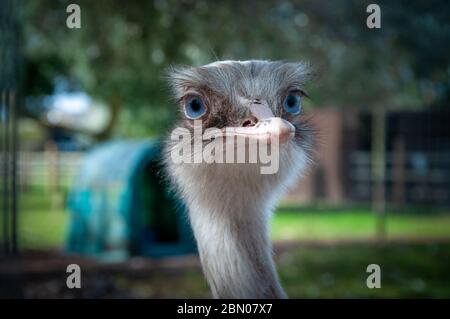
(83, 111)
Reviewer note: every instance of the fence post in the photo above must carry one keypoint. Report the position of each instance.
(398, 170)
(379, 169)
(52, 156)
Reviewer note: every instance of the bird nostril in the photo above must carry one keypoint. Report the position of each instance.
(248, 123)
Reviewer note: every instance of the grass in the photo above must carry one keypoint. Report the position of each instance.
(356, 224)
(407, 271)
(327, 271)
(42, 227)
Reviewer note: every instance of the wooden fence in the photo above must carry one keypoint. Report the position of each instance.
(50, 171)
(411, 177)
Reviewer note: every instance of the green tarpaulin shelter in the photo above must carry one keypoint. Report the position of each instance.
(121, 206)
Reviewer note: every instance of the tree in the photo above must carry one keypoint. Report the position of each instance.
(122, 50)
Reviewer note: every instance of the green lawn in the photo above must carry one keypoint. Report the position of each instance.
(42, 227)
(407, 271)
(356, 224)
(319, 271)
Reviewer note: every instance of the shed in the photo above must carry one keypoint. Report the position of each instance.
(120, 205)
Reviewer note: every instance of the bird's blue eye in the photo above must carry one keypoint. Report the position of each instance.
(194, 107)
(292, 103)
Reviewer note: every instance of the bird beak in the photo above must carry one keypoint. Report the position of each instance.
(268, 128)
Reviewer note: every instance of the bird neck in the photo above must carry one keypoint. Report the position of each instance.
(233, 240)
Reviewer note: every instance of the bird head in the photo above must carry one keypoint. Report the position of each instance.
(256, 101)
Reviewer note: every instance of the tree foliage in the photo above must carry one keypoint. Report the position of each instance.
(123, 48)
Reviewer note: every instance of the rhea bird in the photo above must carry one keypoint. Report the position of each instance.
(230, 205)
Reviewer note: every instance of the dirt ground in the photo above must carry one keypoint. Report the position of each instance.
(42, 274)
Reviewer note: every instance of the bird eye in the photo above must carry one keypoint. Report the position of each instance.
(194, 107)
(292, 103)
